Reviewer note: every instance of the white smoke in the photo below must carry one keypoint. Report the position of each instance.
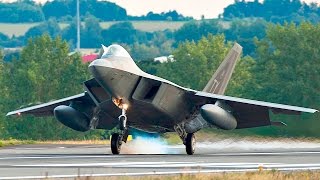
(258, 144)
(147, 145)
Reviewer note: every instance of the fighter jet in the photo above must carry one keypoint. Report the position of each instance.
(121, 95)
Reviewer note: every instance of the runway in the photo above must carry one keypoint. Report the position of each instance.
(40, 161)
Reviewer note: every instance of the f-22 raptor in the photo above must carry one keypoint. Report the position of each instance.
(121, 95)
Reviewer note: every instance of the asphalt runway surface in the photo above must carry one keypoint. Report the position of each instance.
(155, 158)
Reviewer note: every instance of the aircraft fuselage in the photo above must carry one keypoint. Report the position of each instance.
(153, 105)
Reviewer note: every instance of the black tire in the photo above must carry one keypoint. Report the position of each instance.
(190, 144)
(122, 123)
(116, 143)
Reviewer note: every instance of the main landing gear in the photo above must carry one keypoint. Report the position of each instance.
(118, 138)
(189, 139)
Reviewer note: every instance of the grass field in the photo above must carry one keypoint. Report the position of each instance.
(258, 175)
(149, 26)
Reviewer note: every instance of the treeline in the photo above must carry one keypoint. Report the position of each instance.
(274, 10)
(144, 45)
(281, 72)
(64, 11)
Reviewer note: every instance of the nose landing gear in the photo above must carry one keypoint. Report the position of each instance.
(118, 138)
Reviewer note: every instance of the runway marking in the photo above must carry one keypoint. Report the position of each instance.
(264, 153)
(145, 164)
(125, 155)
(60, 157)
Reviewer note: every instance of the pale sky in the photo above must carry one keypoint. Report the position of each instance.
(195, 8)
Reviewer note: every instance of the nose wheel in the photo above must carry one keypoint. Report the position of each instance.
(116, 142)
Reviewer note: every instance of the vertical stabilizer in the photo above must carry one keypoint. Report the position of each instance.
(219, 81)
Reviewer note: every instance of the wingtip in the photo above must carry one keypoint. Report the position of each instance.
(9, 114)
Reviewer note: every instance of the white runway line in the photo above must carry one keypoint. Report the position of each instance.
(61, 157)
(264, 153)
(124, 155)
(147, 164)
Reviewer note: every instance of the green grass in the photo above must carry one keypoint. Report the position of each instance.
(13, 142)
(149, 26)
(261, 175)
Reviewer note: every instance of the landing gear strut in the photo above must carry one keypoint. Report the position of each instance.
(123, 120)
(118, 138)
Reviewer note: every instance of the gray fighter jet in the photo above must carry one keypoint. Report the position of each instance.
(122, 95)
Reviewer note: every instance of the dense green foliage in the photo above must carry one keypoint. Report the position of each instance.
(241, 30)
(24, 11)
(43, 72)
(104, 10)
(288, 71)
(164, 16)
(274, 10)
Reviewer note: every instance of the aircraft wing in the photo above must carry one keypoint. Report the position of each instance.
(46, 109)
(252, 113)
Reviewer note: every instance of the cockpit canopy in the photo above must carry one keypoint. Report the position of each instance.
(114, 51)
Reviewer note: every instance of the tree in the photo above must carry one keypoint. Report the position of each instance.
(195, 63)
(104, 10)
(91, 27)
(70, 33)
(43, 72)
(51, 27)
(194, 30)
(24, 11)
(287, 71)
(141, 52)
(123, 33)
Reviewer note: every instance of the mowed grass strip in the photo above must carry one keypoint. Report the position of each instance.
(258, 175)
(14, 142)
(19, 29)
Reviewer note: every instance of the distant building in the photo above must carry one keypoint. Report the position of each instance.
(89, 58)
(163, 59)
(88, 55)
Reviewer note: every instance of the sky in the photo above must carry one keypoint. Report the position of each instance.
(194, 8)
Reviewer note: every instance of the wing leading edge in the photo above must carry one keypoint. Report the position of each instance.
(46, 109)
(276, 108)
